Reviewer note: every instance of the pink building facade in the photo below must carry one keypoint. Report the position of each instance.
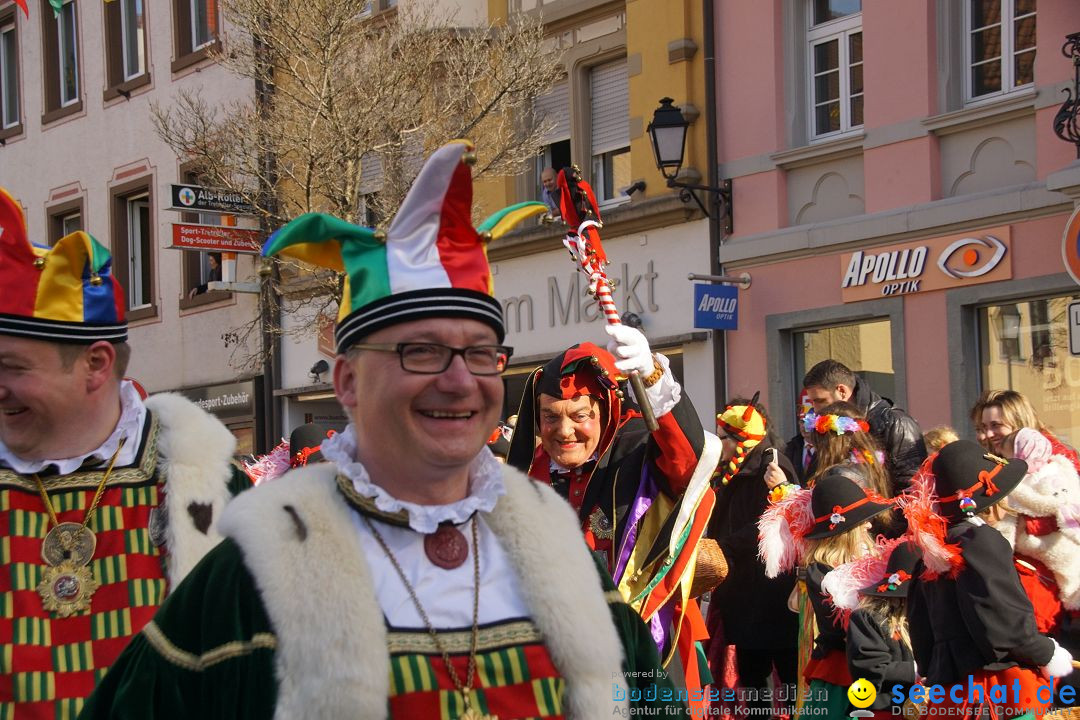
(900, 200)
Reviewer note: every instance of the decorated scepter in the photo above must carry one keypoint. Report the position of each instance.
(579, 210)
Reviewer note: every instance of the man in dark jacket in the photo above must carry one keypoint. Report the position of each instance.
(897, 432)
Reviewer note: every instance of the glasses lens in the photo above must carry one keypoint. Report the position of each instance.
(425, 357)
(486, 359)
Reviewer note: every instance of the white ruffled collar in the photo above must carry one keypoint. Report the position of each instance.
(485, 486)
(130, 425)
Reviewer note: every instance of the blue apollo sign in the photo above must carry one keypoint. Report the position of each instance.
(716, 306)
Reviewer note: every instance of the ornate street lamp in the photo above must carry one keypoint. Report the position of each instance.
(1067, 120)
(668, 134)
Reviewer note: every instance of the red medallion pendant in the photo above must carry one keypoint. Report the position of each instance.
(446, 547)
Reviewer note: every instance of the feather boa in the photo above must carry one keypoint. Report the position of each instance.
(781, 532)
(927, 528)
(272, 465)
(842, 584)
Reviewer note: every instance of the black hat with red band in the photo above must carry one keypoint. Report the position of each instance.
(969, 479)
(839, 504)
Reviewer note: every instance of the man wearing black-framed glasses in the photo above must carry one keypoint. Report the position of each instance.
(405, 575)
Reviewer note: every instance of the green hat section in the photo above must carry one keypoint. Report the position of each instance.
(326, 241)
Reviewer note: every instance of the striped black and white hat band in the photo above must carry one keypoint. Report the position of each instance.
(419, 305)
(58, 331)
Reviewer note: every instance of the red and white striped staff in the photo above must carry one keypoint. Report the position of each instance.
(592, 264)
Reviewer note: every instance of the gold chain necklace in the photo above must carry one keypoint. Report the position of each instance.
(67, 584)
(464, 688)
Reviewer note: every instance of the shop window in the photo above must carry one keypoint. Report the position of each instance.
(133, 247)
(125, 46)
(60, 48)
(865, 347)
(835, 67)
(609, 110)
(1024, 346)
(999, 46)
(65, 219)
(10, 115)
(196, 31)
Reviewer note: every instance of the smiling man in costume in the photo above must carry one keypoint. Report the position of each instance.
(643, 499)
(106, 502)
(411, 575)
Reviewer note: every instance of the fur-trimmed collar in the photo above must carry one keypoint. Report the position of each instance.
(296, 533)
(195, 453)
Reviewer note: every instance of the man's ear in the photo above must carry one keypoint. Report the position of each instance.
(99, 359)
(345, 381)
(843, 392)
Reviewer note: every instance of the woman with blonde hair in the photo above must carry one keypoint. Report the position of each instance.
(818, 529)
(997, 414)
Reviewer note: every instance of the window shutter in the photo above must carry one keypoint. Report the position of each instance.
(554, 106)
(610, 107)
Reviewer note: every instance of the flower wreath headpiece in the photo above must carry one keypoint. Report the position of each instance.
(839, 424)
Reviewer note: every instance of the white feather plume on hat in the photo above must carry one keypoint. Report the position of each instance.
(781, 532)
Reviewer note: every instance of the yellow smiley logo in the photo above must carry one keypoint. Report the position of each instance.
(862, 693)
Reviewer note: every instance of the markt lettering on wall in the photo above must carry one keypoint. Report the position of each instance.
(565, 301)
(946, 262)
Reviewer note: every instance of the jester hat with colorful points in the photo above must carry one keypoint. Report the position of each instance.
(430, 263)
(64, 294)
(746, 426)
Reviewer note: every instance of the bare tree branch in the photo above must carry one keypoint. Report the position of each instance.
(346, 90)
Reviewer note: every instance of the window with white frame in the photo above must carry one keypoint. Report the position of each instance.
(999, 47)
(553, 109)
(609, 114)
(68, 41)
(64, 219)
(139, 252)
(72, 222)
(835, 66)
(202, 33)
(9, 77)
(133, 35)
(196, 27)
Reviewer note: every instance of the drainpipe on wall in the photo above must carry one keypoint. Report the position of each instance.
(716, 237)
(270, 299)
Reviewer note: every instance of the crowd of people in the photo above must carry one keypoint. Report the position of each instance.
(908, 560)
(621, 560)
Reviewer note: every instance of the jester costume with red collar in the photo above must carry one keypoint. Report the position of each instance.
(107, 499)
(643, 499)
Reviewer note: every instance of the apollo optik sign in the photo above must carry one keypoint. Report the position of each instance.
(937, 264)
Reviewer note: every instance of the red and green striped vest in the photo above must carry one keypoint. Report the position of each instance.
(49, 664)
(514, 679)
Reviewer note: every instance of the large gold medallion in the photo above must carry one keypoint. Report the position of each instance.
(71, 542)
(66, 588)
(472, 714)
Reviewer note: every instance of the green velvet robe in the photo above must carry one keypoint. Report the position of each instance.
(213, 652)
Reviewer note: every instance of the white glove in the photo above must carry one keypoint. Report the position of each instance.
(1060, 663)
(630, 348)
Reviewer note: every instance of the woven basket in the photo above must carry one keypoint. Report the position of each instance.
(711, 568)
(1069, 713)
